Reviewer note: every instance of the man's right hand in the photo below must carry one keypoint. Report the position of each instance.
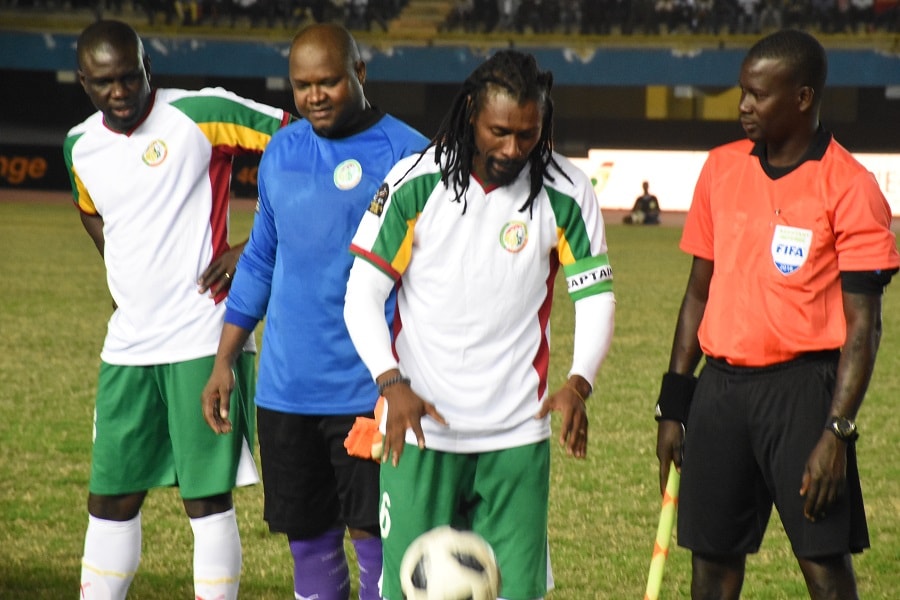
(669, 449)
(405, 410)
(216, 399)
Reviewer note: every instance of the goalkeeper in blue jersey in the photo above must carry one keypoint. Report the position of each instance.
(316, 180)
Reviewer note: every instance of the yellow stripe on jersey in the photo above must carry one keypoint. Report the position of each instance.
(404, 252)
(220, 133)
(566, 257)
(82, 197)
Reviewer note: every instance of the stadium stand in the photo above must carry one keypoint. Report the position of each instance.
(624, 77)
(431, 19)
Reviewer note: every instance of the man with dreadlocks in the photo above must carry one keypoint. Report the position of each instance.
(473, 231)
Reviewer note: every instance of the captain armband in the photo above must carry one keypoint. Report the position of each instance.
(675, 397)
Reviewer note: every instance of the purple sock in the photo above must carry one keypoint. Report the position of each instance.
(368, 554)
(320, 567)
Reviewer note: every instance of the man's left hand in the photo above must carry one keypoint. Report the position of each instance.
(218, 275)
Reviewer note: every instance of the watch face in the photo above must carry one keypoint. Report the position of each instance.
(844, 428)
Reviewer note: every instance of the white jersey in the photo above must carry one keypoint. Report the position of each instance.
(162, 190)
(475, 289)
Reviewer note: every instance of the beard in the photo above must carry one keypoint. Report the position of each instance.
(503, 172)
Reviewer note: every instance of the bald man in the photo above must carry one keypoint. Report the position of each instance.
(316, 179)
(151, 174)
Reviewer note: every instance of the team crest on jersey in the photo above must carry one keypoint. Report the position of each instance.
(155, 153)
(376, 206)
(348, 174)
(790, 247)
(514, 236)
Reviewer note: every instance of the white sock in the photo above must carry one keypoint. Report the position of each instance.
(217, 556)
(112, 552)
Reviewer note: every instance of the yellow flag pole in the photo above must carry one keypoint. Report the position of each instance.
(663, 535)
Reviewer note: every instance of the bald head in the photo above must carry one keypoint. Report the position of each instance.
(107, 36)
(331, 36)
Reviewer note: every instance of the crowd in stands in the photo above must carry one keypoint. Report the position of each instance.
(587, 17)
(355, 14)
(668, 16)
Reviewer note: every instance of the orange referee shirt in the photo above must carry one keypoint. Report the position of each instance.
(779, 245)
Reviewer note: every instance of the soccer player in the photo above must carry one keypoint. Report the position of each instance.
(316, 180)
(473, 231)
(792, 250)
(150, 174)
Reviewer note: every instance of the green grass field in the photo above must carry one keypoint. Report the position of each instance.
(604, 510)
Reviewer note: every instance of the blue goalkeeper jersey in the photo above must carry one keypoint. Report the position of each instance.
(313, 192)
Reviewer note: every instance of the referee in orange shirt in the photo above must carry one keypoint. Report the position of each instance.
(792, 250)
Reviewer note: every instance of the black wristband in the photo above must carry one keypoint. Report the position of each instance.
(675, 397)
(389, 382)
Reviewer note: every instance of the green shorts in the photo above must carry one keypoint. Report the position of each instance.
(501, 495)
(149, 429)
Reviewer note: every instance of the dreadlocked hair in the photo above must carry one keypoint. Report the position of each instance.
(517, 75)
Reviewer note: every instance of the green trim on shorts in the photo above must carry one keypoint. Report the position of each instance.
(504, 498)
(149, 429)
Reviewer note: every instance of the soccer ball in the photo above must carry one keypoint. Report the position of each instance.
(449, 564)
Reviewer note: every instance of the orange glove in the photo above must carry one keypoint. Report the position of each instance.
(364, 439)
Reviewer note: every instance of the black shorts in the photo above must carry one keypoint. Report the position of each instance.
(749, 434)
(310, 483)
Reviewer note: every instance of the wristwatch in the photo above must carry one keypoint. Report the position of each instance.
(843, 428)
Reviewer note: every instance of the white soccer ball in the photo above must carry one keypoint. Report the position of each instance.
(449, 564)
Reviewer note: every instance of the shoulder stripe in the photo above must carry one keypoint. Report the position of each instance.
(80, 196)
(230, 122)
(406, 203)
(574, 242)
